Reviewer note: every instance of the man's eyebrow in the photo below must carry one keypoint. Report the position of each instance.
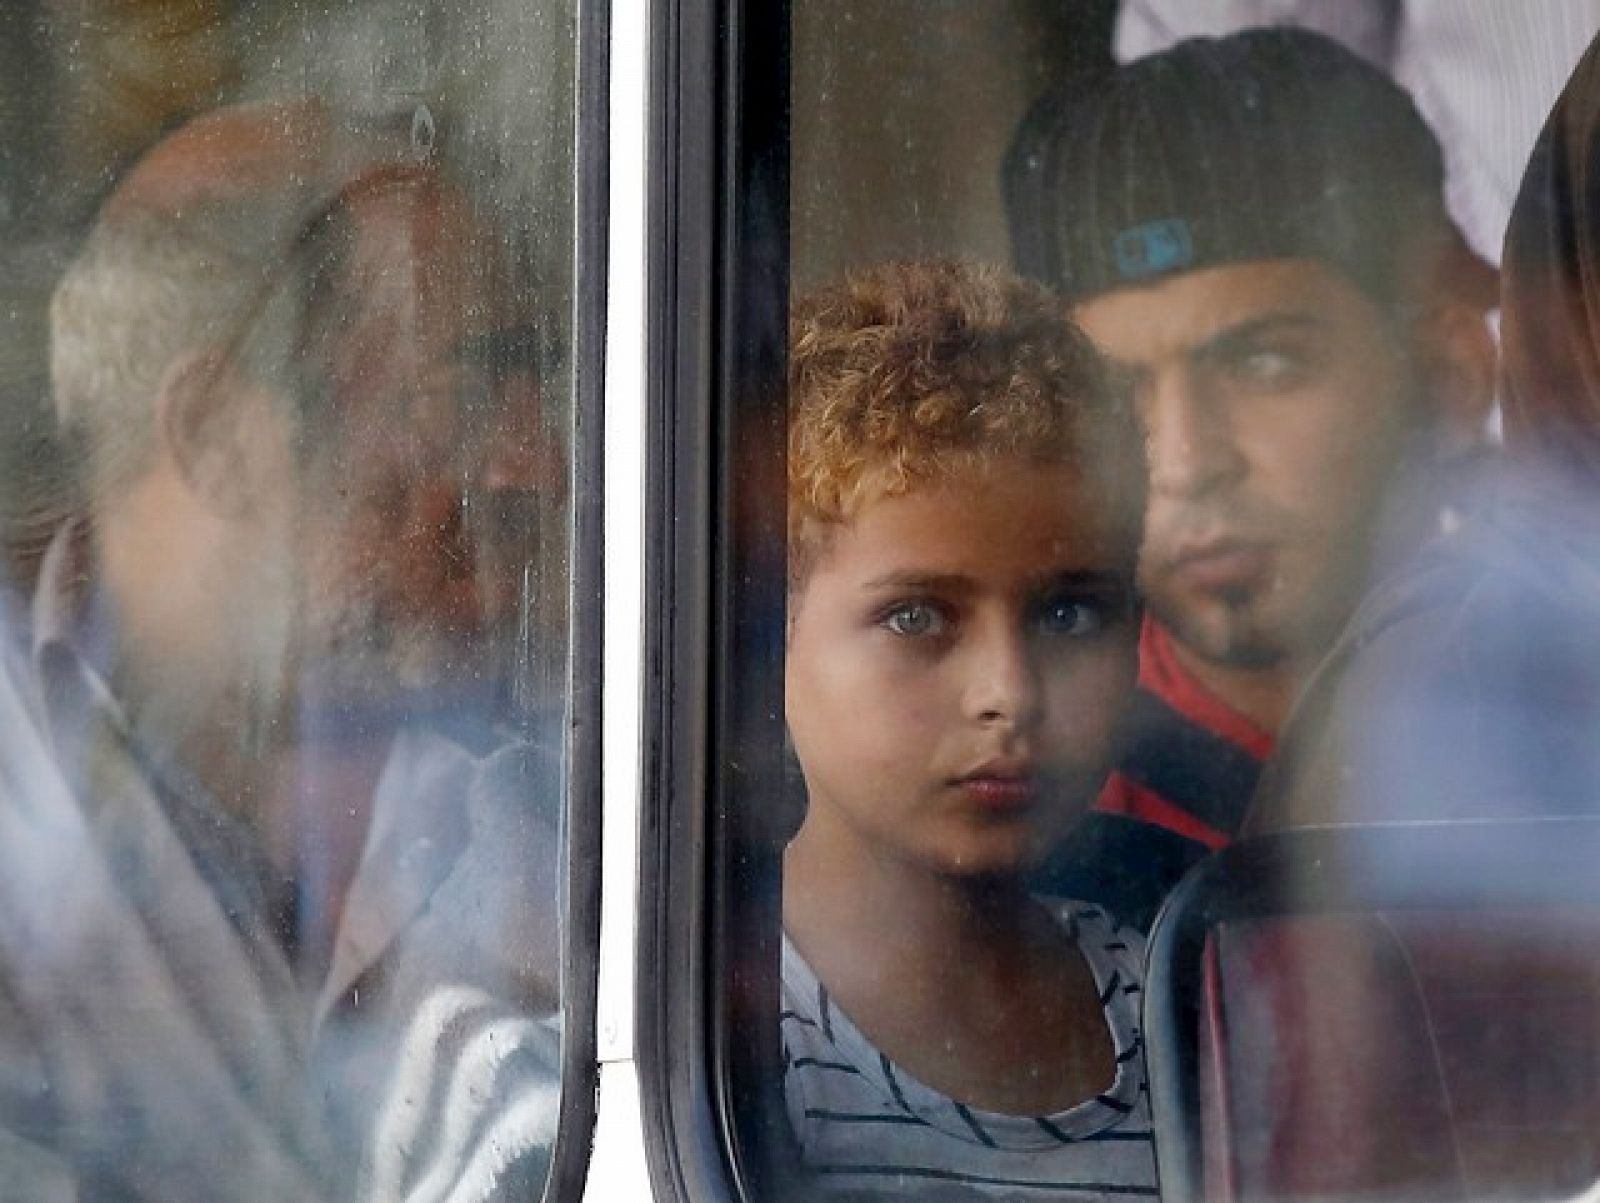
(1225, 342)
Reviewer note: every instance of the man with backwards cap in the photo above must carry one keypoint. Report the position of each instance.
(1253, 227)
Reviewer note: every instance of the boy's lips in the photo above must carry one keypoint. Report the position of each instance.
(1000, 787)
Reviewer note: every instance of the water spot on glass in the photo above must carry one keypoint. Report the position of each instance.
(423, 131)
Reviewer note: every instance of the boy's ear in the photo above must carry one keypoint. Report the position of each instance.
(206, 415)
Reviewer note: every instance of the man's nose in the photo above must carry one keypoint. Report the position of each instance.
(1002, 686)
(1193, 447)
(516, 485)
(525, 463)
(522, 453)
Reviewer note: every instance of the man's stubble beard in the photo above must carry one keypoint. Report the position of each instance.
(1233, 639)
(362, 653)
(1275, 624)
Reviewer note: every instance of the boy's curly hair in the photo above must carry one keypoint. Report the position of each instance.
(908, 373)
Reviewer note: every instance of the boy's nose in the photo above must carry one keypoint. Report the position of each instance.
(1191, 440)
(1003, 686)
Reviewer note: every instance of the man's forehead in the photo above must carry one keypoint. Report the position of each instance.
(1183, 313)
(227, 156)
(434, 283)
(430, 324)
(418, 235)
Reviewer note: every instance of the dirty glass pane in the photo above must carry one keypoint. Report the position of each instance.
(285, 515)
(1192, 435)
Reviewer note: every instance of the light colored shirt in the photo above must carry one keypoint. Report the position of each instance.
(866, 1125)
(156, 1041)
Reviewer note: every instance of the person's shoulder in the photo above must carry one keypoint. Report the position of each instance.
(1098, 933)
(502, 1132)
(480, 843)
(1439, 697)
(807, 1012)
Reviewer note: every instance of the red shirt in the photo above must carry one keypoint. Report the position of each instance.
(1189, 761)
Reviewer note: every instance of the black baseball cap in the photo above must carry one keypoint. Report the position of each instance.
(1271, 143)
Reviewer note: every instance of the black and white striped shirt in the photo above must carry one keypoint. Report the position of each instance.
(866, 1126)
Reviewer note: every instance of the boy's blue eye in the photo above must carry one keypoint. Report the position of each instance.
(915, 620)
(1068, 616)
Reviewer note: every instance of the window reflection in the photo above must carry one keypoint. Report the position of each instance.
(283, 767)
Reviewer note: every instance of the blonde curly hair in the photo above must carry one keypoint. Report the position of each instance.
(909, 373)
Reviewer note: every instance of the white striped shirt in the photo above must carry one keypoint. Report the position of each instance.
(866, 1126)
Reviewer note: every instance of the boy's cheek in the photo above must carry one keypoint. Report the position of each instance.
(1088, 701)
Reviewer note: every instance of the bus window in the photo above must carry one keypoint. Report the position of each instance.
(919, 820)
(292, 384)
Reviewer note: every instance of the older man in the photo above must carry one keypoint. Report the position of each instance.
(1254, 228)
(245, 844)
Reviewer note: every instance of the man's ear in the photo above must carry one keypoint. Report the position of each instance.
(1459, 357)
(207, 414)
(1459, 363)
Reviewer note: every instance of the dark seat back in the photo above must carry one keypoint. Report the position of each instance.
(1382, 1013)
(1327, 1084)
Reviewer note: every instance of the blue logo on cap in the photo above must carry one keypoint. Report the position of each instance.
(1153, 248)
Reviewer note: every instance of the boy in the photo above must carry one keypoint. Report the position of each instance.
(965, 500)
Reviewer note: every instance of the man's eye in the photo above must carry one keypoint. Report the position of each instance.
(1066, 616)
(1266, 365)
(915, 620)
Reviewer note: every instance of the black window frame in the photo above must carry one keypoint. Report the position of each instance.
(706, 984)
(581, 880)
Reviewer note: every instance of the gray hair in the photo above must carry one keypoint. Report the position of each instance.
(147, 287)
(202, 249)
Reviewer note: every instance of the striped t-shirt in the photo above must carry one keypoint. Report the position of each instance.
(867, 1127)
